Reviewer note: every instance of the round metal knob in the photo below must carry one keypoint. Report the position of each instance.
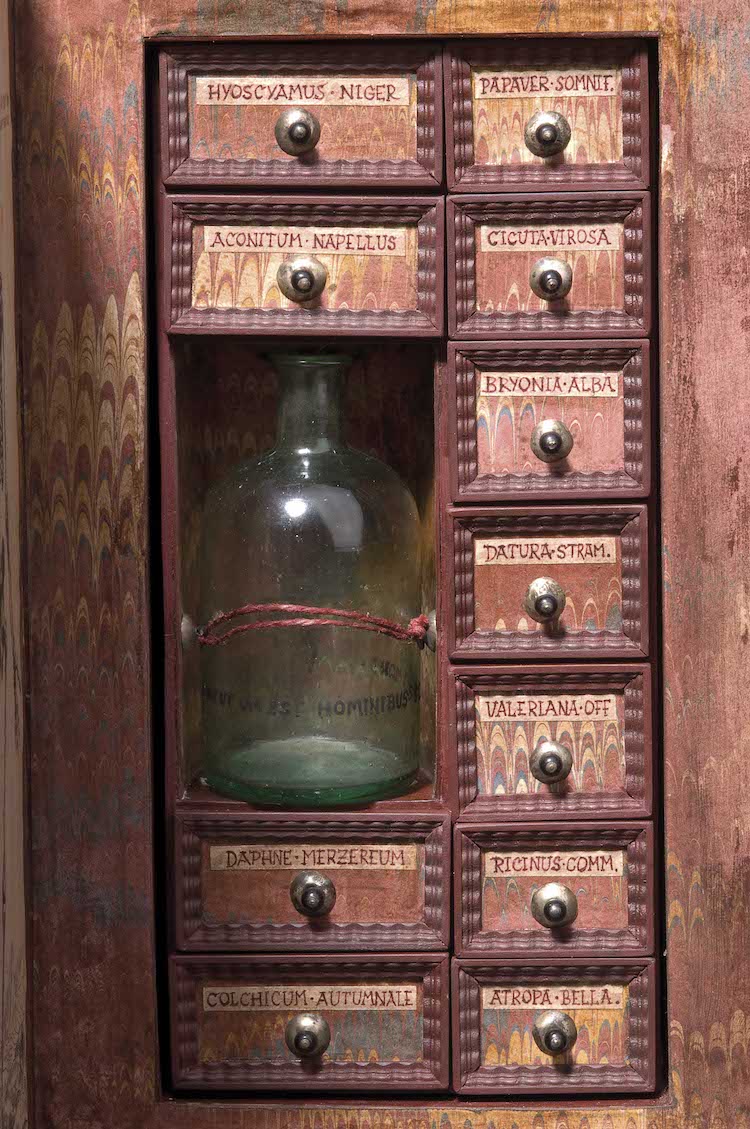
(297, 132)
(302, 279)
(554, 1032)
(554, 906)
(547, 133)
(551, 279)
(307, 1036)
(550, 761)
(551, 441)
(545, 600)
(312, 894)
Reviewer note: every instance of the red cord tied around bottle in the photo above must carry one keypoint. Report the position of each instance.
(303, 616)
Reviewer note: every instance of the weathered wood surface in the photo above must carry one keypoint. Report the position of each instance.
(13, 1036)
(82, 183)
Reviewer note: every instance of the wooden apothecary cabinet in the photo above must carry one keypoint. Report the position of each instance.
(513, 222)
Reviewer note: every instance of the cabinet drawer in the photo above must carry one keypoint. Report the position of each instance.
(378, 1023)
(512, 567)
(497, 1008)
(376, 113)
(379, 264)
(551, 891)
(240, 881)
(499, 94)
(593, 249)
(507, 720)
(544, 421)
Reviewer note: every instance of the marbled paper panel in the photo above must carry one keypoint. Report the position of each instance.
(508, 728)
(589, 98)
(369, 268)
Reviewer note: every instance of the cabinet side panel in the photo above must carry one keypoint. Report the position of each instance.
(13, 1033)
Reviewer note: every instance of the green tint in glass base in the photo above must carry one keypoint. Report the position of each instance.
(287, 773)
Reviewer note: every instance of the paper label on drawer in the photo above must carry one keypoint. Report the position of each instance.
(599, 996)
(525, 864)
(538, 707)
(571, 82)
(313, 997)
(545, 550)
(307, 240)
(549, 239)
(303, 90)
(301, 856)
(526, 384)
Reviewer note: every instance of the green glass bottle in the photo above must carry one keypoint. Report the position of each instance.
(323, 715)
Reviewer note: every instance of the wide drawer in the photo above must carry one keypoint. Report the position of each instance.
(550, 266)
(329, 882)
(359, 116)
(352, 266)
(544, 421)
(570, 582)
(502, 1009)
(552, 891)
(589, 98)
(343, 1023)
(593, 722)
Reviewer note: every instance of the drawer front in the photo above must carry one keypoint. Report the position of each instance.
(498, 1006)
(513, 566)
(595, 245)
(234, 260)
(371, 121)
(380, 1023)
(504, 720)
(240, 882)
(548, 422)
(495, 94)
(555, 891)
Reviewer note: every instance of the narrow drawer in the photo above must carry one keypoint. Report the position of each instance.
(325, 1024)
(594, 722)
(589, 98)
(502, 1009)
(556, 892)
(361, 116)
(549, 266)
(549, 584)
(289, 882)
(351, 266)
(544, 421)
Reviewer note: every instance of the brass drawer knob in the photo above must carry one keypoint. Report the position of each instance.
(547, 133)
(554, 1032)
(312, 894)
(550, 762)
(551, 441)
(551, 279)
(545, 600)
(554, 906)
(297, 132)
(302, 279)
(307, 1036)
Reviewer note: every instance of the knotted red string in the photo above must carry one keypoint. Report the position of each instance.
(312, 617)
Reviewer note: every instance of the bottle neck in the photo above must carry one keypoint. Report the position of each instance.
(309, 418)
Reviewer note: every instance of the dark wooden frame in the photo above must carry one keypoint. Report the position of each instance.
(465, 682)
(465, 642)
(465, 176)
(471, 841)
(465, 213)
(179, 63)
(465, 358)
(194, 933)
(470, 1077)
(431, 1074)
(181, 213)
